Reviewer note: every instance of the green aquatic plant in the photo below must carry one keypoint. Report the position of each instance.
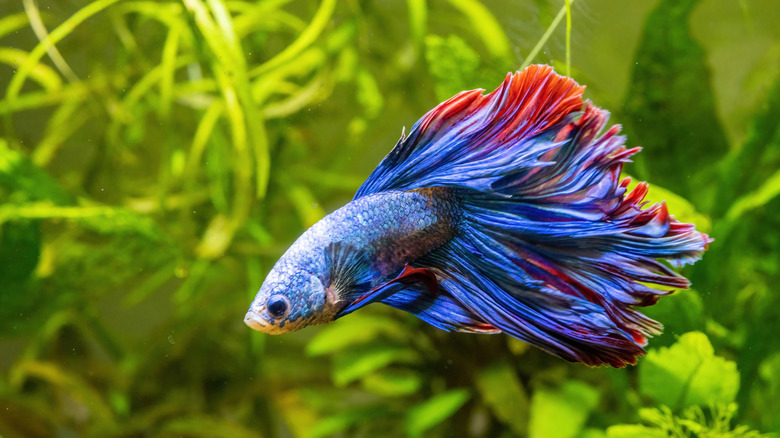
(156, 157)
(716, 422)
(694, 391)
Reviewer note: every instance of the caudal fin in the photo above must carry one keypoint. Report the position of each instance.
(551, 248)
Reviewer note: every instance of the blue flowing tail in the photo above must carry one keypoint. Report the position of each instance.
(550, 248)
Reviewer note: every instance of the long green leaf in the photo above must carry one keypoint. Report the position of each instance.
(360, 362)
(63, 30)
(547, 34)
(31, 9)
(168, 67)
(304, 40)
(769, 190)
(352, 331)
(12, 23)
(487, 27)
(418, 21)
(41, 73)
(67, 119)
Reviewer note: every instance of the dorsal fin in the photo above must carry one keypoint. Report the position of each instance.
(473, 139)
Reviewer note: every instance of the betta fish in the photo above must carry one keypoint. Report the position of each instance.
(500, 212)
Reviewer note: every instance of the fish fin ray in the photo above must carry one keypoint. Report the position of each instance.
(349, 269)
(473, 139)
(373, 295)
(566, 326)
(441, 311)
(416, 290)
(550, 247)
(409, 277)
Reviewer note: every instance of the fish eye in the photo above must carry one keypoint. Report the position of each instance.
(277, 306)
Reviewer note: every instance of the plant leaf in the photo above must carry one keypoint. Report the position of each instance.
(688, 373)
(392, 383)
(504, 394)
(356, 363)
(487, 27)
(453, 64)
(422, 417)
(755, 164)
(573, 401)
(671, 105)
(354, 330)
(634, 431)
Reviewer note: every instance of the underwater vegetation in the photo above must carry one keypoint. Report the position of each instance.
(158, 157)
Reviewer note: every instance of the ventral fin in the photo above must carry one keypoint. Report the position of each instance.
(410, 277)
(377, 293)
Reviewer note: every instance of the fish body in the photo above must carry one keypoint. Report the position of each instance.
(502, 212)
(380, 234)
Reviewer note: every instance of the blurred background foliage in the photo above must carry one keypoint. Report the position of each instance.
(157, 157)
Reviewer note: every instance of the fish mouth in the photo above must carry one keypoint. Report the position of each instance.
(256, 322)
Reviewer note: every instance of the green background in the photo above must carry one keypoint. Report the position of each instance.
(157, 157)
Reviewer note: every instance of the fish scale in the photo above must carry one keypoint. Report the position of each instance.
(392, 228)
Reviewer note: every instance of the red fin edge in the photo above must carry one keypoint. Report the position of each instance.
(418, 275)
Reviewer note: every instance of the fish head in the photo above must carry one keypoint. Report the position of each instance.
(290, 299)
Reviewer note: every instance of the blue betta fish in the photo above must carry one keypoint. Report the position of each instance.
(502, 212)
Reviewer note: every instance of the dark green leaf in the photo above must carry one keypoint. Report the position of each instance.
(21, 180)
(756, 161)
(670, 105)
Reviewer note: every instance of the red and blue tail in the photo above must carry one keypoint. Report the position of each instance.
(551, 248)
